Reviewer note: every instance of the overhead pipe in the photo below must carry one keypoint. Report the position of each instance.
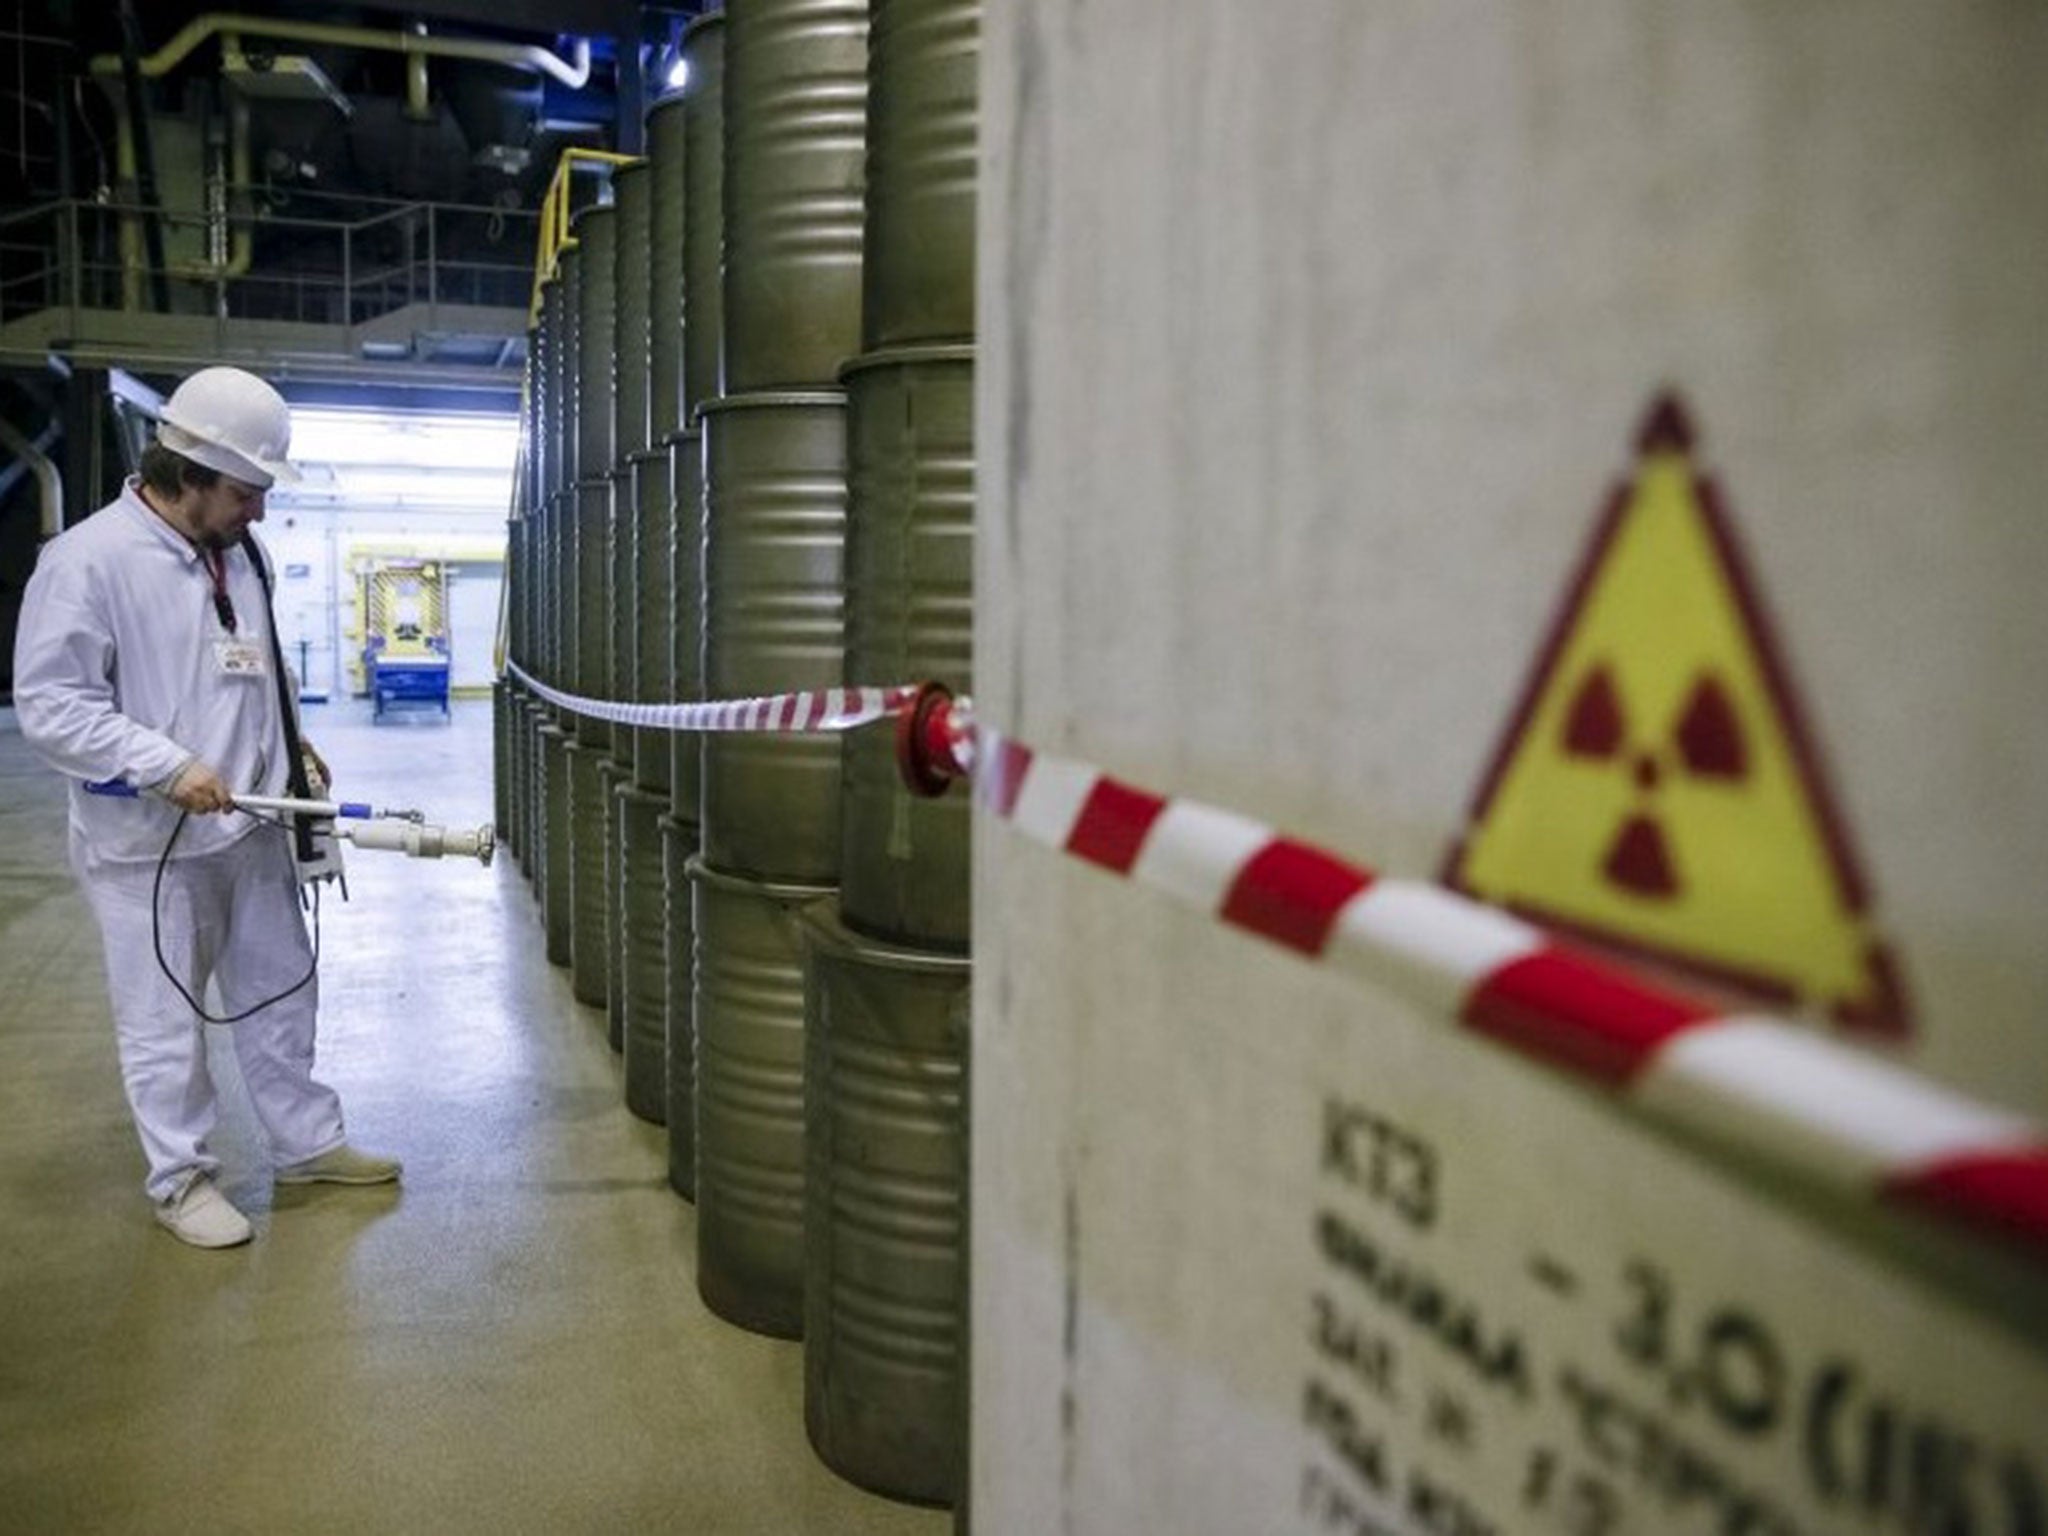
(49, 483)
(418, 102)
(229, 224)
(241, 233)
(573, 72)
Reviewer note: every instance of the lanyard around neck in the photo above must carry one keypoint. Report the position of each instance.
(217, 568)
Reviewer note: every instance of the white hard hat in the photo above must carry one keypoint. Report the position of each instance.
(233, 422)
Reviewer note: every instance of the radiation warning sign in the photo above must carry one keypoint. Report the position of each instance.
(1656, 788)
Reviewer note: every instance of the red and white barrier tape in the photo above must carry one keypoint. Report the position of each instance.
(823, 709)
(1827, 1113)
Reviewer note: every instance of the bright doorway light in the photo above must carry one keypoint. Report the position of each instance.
(679, 73)
(402, 459)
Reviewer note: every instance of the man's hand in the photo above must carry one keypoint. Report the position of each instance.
(198, 789)
(319, 766)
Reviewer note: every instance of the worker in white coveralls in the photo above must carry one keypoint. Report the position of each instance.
(145, 655)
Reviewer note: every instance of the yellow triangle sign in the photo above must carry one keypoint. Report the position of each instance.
(1656, 789)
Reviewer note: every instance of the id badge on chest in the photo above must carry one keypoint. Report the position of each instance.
(238, 658)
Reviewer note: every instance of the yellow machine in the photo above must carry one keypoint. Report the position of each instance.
(405, 633)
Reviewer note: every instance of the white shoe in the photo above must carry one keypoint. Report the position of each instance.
(201, 1215)
(343, 1165)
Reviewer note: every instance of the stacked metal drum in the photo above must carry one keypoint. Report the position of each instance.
(751, 471)
(642, 620)
(887, 1025)
(591, 767)
(559, 309)
(794, 91)
(686, 136)
(557, 762)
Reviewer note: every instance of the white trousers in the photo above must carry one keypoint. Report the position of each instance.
(231, 917)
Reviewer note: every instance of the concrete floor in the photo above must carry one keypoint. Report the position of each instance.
(509, 1342)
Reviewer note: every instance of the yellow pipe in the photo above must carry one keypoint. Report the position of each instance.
(574, 73)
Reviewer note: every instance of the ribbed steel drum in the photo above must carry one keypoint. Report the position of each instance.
(590, 669)
(562, 367)
(909, 615)
(643, 951)
(632, 257)
(527, 737)
(667, 161)
(918, 251)
(622, 604)
(750, 1098)
(703, 212)
(632, 202)
(558, 595)
(679, 947)
(547, 440)
(612, 777)
(538, 717)
(795, 141)
(556, 809)
(884, 1202)
(686, 628)
(597, 330)
(774, 544)
(509, 701)
(588, 823)
(650, 679)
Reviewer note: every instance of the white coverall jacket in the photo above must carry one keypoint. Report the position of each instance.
(116, 675)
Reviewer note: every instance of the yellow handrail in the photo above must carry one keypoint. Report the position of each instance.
(554, 214)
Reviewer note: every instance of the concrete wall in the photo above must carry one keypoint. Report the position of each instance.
(1314, 337)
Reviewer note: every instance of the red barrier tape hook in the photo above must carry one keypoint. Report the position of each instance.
(934, 741)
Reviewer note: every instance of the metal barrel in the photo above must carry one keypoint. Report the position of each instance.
(648, 678)
(750, 1098)
(651, 674)
(590, 669)
(596, 337)
(547, 443)
(557, 917)
(667, 234)
(508, 702)
(622, 606)
(679, 948)
(909, 616)
(643, 951)
(612, 777)
(561, 506)
(686, 628)
(533, 407)
(632, 291)
(587, 894)
(535, 864)
(525, 778)
(562, 366)
(703, 213)
(795, 130)
(632, 204)
(596, 341)
(885, 1034)
(557, 592)
(774, 542)
(923, 110)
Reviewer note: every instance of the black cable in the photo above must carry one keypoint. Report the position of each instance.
(156, 932)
